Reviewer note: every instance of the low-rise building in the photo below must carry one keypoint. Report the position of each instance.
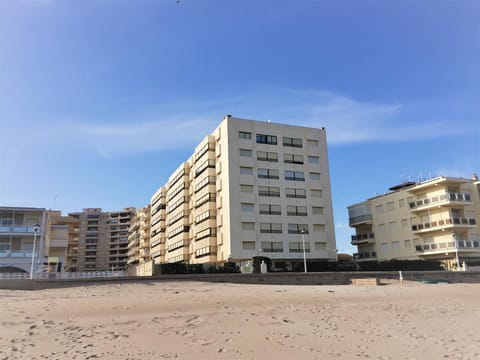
(436, 219)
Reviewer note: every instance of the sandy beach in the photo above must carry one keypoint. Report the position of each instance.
(197, 320)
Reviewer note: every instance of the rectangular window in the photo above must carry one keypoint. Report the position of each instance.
(295, 193)
(266, 139)
(294, 210)
(316, 193)
(390, 206)
(379, 209)
(294, 175)
(246, 188)
(297, 228)
(293, 159)
(401, 203)
(292, 142)
(246, 207)
(245, 153)
(270, 209)
(313, 159)
(248, 245)
(272, 246)
(312, 143)
(317, 210)
(271, 228)
(297, 247)
(268, 173)
(408, 243)
(245, 170)
(396, 245)
(270, 191)
(314, 176)
(244, 135)
(248, 226)
(267, 156)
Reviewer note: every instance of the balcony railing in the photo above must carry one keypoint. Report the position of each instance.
(17, 229)
(362, 238)
(461, 197)
(444, 222)
(360, 219)
(449, 245)
(16, 254)
(365, 255)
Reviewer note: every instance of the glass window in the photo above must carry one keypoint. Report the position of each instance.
(248, 226)
(295, 175)
(246, 188)
(295, 193)
(245, 153)
(246, 170)
(266, 139)
(292, 142)
(313, 159)
(314, 176)
(245, 135)
(247, 207)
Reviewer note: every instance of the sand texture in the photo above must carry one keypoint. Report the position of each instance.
(195, 320)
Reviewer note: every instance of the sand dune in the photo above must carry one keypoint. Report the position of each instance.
(228, 321)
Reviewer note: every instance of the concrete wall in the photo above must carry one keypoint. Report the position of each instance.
(327, 278)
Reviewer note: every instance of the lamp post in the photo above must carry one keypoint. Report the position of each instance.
(36, 227)
(304, 254)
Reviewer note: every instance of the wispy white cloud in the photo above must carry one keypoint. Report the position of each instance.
(346, 119)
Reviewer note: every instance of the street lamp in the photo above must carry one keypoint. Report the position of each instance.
(36, 227)
(304, 255)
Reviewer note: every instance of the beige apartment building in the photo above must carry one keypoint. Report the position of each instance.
(139, 261)
(436, 219)
(250, 188)
(103, 239)
(22, 238)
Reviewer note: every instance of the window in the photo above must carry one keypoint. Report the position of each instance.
(294, 210)
(316, 193)
(317, 210)
(272, 246)
(268, 173)
(396, 245)
(408, 243)
(384, 248)
(297, 228)
(267, 156)
(292, 142)
(381, 227)
(270, 191)
(320, 246)
(401, 203)
(245, 170)
(248, 226)
(244, 135)
(293, 159)
(379, 209)
(313, 159)
(271, 228)
(392, 225)
(295, 193)
(245, 153)
(312, 143)
(404, 223)
(314, 176)
(295, 175)
(246, 188)
(297, 247)
(266, 139)
(390, 206)
(247, 207)
(270, 209)
(248, 245)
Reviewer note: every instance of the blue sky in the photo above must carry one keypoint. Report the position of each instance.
(91, 91)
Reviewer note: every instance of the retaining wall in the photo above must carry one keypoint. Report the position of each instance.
(321, 278)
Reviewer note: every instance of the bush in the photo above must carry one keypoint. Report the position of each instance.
(404, 265)
(178, 268)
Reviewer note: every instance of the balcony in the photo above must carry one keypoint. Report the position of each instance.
(365, 256)
(449, 223)
(441, 247)
(361, 219)
(366, 238)
(457, 198)
(17, 229)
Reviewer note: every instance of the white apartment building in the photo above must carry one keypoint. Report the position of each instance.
(437, 219)
(22, 234)
(250, 188)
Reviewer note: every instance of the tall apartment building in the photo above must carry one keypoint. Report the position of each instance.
(62, 240)
(250, 188)
(139, 258)
(20, 227)
(103, 239)
(436, 219)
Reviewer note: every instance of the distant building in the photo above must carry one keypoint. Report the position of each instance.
(139, 258)
(19, 227)
(103, 239)
(434, 219)
(250, 188)
(62, 241)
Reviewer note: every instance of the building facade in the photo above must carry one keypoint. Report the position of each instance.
(436, 219)
(22, 234)
(62, 240)
(250, 188)
(139, 258)
(103, 239)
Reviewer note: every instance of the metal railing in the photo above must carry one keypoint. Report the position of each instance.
(64, 275)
